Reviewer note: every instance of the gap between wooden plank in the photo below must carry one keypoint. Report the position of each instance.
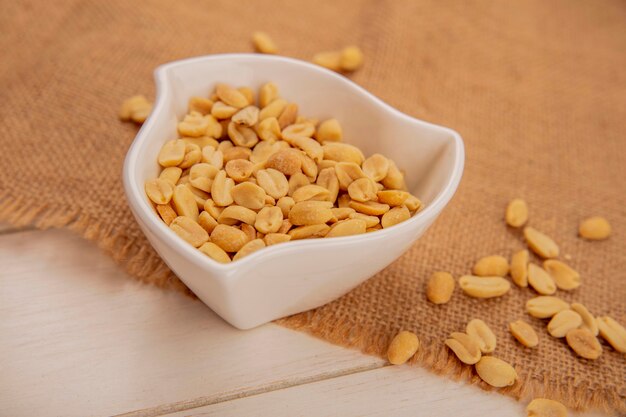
(181, 406)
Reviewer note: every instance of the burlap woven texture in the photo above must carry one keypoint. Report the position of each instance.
(536, 88)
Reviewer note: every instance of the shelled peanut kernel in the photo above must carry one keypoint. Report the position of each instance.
(246, 174)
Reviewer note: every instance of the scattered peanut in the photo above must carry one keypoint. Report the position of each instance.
(564, 276)
(482, 334)
(516, 213)
(491, 266)
(440, 287)
(545, 306)
(589, 321)
(465, 347)
(519, 268)
(403, 346)
(541, 244)
(136, 108)
(542, 407)
(540, 280)
(613, 332)
(524, 334)
(484, 287)
(496, 372)
(263, 43)
(584, 343)
(563, 322)
(595, 228)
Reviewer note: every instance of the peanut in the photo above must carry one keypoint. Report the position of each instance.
(565, 277)
(273, 182)
(494, 265)
(249, 195)
(516, 213)
(342, 152)
(370, 208)
(288, 115)
(239, 169)
(221, 189)
(347, 228)
(540, 280)
(482, 334)
(242, 135)
(223, 111)
(351, 58)
(248, 248)
(285, 204)
(496, 372)
(310, 192)
(184, 202)
(268, 129)
(329, 60)
(171, 174)
(269, 220)
(370, 221)
(275, 238)
(394, 179)
(440, 287)
(394, 216)
(524, 334)
(189, 230)
(584, 343)
(544, 307)
(464, 347)
(402, 347)
(201, 105)
(540, 243)
(207, 221)
(595, 228)
(327, 178)
(231, 96)
(287, 161)
(376, 167)
(519, 268)
(233, 215)
(309, 232)
(589, 321)
(167, 213)
(267, 93)
(542, 407)
(310, 213)
(329, 131)
(563, 322)
(484, 287)
(136, 108)
(201, 176)
(229, 238)
(172, 153)
(263, 43)
(613, 332)
(214, 252)
(248, 116)
(393, 198)
(159, 191)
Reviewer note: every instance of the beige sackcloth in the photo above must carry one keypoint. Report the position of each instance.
(536, 88)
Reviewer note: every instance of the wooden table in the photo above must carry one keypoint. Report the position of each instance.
(79, 338)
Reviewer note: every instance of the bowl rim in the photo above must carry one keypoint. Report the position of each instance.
(147, 216)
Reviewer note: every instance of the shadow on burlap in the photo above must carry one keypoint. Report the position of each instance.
(537, 89)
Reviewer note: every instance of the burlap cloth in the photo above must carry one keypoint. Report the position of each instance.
(536, 88)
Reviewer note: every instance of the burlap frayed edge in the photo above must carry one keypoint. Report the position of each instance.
(144, 264)
(436, 358)
(138, 260)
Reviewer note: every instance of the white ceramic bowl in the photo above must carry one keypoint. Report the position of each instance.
(296, 276)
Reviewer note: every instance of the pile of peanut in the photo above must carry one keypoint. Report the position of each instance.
(246, 174)
(573, 322)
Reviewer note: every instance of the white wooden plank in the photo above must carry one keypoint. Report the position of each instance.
(387, 392)
(79, 338)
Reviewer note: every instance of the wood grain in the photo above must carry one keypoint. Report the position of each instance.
(387, 392)
(79, 338)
